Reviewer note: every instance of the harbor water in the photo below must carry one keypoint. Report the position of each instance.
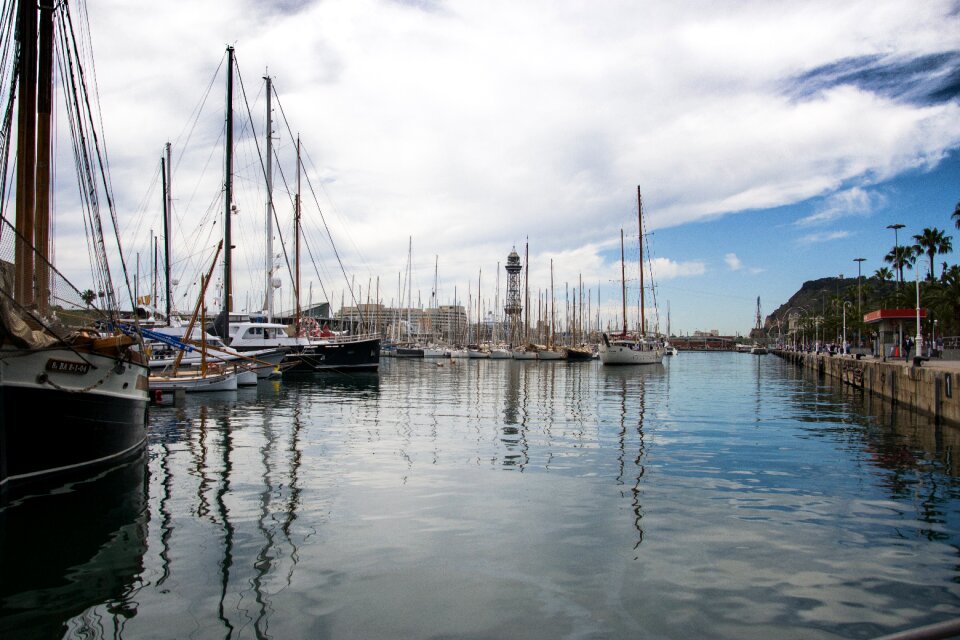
(719, 495)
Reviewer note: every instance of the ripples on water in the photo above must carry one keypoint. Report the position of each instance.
(721, 495)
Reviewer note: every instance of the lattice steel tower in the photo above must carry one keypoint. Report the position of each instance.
(513, 308)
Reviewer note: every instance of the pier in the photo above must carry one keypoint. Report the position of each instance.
(926, 385)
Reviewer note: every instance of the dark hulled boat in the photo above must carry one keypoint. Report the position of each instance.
(72, 397)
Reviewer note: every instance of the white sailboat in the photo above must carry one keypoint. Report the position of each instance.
(626, 349)
(207, 377)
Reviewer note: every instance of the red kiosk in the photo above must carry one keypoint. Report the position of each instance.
(892, 321)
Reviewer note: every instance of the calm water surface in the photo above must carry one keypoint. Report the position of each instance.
(720, 495)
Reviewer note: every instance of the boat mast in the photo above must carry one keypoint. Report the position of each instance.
(623, 284)
(228, 193)
(268, 289)
(41, 238)
(26, 152)
(526, 294)
(296, 232)
(164, 170)
(409, 282)
(479, 275)
(643, 320)
(553, 309)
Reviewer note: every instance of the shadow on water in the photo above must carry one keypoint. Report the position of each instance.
(65, 551)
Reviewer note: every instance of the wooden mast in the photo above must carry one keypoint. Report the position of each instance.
(26, 152)
(41, 230)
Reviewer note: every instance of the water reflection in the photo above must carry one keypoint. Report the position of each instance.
(629, 387)
(65, 551)
(516, 414)
(373, 507)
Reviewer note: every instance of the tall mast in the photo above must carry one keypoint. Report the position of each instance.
(268, 289)
(643, 321)
(167, 241)
(409, 281)
(623, 284)
(41, 238)
(164, 168)
(228, 193)
(553, 308)
(526, 295)
(156, 253)
(26, 152)
(296, 232)
(479, 275)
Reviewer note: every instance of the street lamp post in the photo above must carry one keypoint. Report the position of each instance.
(919, 339)
(896, 246)
(843, 345)
(859, 261)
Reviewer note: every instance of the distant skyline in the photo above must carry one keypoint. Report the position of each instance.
(773, 141)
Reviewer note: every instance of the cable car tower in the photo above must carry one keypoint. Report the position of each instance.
(513, 308)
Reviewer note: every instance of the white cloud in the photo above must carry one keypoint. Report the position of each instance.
(733, 262)
(854, 201)
(666, 269)
(828, 236)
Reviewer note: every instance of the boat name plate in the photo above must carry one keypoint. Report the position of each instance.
(66, 366)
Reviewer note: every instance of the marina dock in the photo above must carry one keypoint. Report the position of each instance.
(925, 385)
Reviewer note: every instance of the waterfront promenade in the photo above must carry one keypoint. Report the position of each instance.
(927, 385)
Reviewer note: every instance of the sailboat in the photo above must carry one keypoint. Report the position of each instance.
(551, 352)
(73, 390)
(313, 348)
(207, 377)
(624, 348)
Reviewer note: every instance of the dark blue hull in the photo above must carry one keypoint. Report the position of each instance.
(361, 355)
(47, 433)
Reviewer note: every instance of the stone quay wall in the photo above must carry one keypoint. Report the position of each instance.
(927, 386)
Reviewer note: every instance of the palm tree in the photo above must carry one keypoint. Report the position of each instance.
(883, 274)
(88, 297)
(932, 242)
(956, 215)
(944, 297)
(900, 257)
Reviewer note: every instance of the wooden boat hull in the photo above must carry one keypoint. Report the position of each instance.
(579, 355)
(226, 381)
(546, 354)
(63, 414)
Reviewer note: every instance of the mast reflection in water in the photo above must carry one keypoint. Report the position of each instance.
(718, 494)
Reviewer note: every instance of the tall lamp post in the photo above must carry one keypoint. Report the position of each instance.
(859, 261)
(843, 343)
(896, 246)
(919, 339)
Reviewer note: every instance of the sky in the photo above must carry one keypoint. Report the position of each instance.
(773, 142)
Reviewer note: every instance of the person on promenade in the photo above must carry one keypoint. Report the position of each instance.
(907, 345)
